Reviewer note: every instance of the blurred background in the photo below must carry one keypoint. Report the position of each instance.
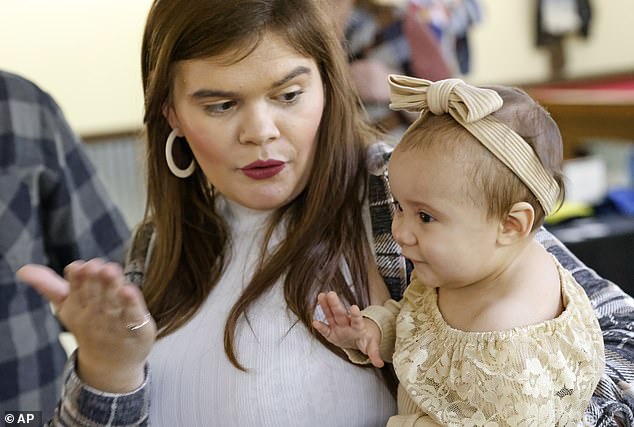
(571, 55)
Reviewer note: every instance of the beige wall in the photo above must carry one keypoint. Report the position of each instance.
(86, 52)
(504, 52)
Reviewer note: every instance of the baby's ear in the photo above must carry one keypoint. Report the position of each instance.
(517, 224)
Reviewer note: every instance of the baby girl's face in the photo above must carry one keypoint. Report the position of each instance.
(449, 239)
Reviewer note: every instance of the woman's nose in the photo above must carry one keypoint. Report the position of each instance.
(401, 232)
(258, 125)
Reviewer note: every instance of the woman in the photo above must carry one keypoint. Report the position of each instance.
(263, 192)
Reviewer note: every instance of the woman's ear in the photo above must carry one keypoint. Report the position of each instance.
(517, 224)
(170, 116)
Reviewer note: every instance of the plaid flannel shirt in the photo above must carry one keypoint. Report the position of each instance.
(53, 210)
(612, 399)
(366, 38)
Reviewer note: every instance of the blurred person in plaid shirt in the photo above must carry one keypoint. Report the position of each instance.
(53, 210)
(420, 38)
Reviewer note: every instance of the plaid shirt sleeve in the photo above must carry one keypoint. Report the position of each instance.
(53, 210)
(613, 399)
(85, 406)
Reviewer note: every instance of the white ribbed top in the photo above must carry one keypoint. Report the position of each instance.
(292, 379)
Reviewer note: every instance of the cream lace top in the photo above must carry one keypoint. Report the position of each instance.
(537, 375)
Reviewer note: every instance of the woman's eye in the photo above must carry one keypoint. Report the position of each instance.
(290, 97)
(425, 217)
(220, 108)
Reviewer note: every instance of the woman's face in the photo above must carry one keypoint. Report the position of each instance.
(252, 125)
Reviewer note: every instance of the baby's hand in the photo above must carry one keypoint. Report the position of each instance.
(348, 329)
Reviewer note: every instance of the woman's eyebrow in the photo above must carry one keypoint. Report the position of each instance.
(213, 93)
(294, 73)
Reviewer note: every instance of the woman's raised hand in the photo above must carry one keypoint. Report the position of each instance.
(348, 329)
(107, 316)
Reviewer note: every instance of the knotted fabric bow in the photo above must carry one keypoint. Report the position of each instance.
(472, 107)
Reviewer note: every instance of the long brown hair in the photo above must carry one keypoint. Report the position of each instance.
(325, 223)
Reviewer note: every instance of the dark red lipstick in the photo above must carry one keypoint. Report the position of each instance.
(263, 169)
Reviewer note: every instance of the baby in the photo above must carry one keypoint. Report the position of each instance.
(491, 331)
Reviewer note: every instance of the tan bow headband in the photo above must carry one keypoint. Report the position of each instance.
(472, 107)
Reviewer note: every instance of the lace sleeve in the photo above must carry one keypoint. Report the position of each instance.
(414, 420)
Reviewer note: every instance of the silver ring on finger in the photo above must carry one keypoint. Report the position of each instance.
(138, 325)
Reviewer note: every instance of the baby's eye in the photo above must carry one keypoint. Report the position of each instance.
(425, 217)
(220, 108)
(290, 97)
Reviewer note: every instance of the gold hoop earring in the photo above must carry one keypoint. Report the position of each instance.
(180, 173)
